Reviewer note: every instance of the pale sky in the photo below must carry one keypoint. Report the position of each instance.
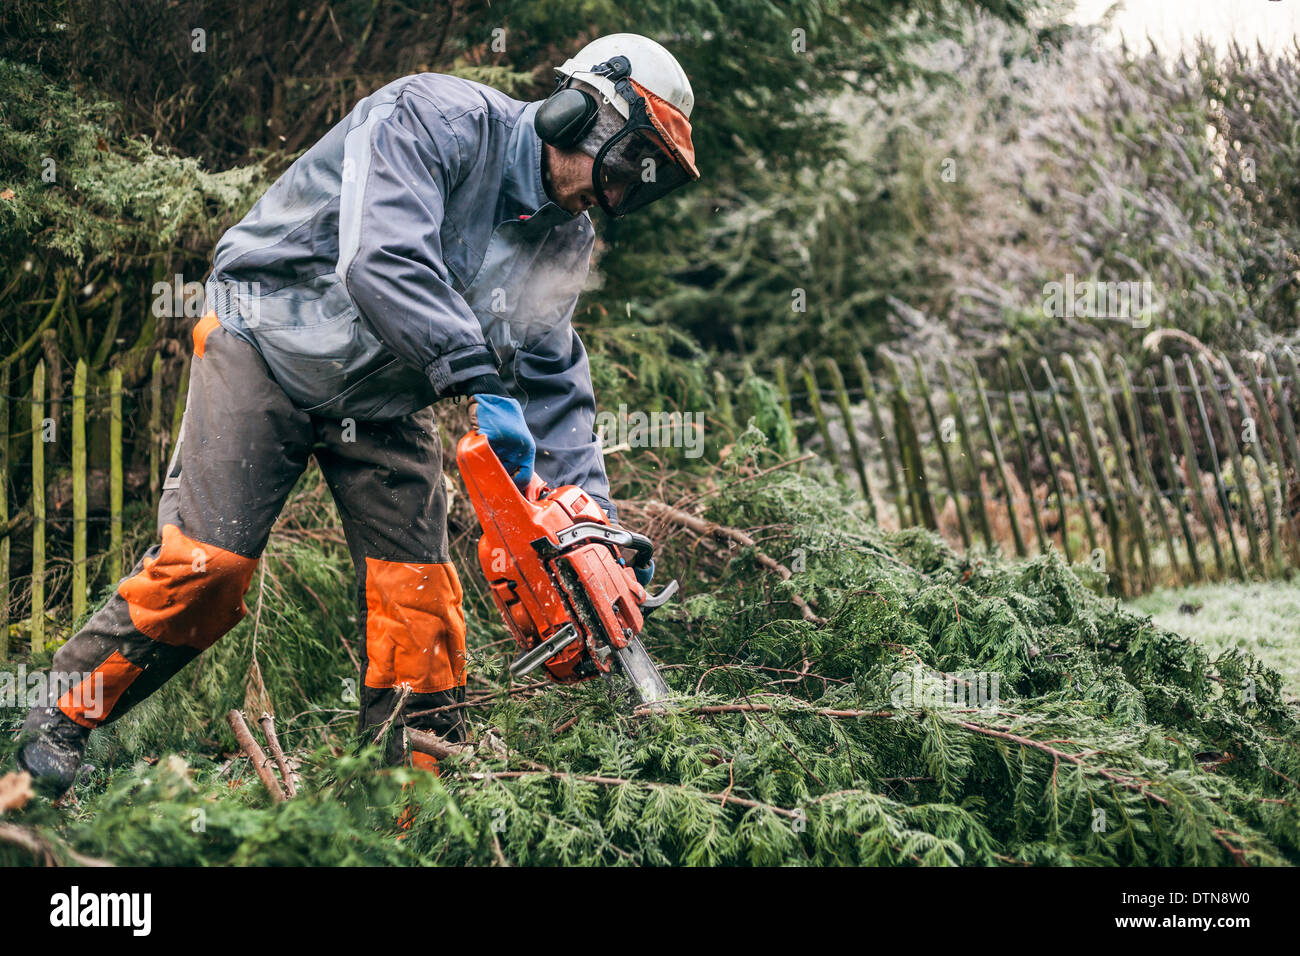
(1174, 23)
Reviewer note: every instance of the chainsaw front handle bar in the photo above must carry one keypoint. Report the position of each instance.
(585, 531)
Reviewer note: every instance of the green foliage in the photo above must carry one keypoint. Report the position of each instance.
(105, 199)
(1106, 740)
(172, 814)
(1022, 155)
(1109, 740)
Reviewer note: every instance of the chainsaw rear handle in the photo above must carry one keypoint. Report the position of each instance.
(474, 453)
(495, 482)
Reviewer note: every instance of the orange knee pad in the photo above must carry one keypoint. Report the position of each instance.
(415, 626)
(190, 594)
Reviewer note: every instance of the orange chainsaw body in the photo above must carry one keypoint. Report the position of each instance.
(549, 565)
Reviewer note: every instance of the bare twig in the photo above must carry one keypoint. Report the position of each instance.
(255, 753)
(1155, 340)
(567, 725)
(397, 710)
(44, 848)
(273, 741)
(16, 524)
(769, 709)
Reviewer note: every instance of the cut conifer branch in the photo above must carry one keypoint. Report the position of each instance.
(711, 529)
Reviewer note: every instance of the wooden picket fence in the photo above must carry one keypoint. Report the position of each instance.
(46, 410)
(1185, 471)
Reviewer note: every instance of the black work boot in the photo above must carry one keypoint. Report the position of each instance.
(51, 749)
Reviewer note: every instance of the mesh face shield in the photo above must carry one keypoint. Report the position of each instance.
(648, 158)
(633, 169)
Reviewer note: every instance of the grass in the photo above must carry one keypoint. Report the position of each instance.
(1260, 617)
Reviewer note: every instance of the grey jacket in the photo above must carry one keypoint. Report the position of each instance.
(412, 254)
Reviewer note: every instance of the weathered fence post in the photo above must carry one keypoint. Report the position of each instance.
(155, 431)
(1284, 415)
(823, 426)
(1013, 421)
(1192, 465)
(846, 415)
(38, 509)
(183, 394)
(1208, 430)
(909, 443)
(1063, 419)
(1238, 465)
(1099, 468)
(1037, 414)
(891, 472)
(1132, 506)
(784, 386)
(1138, 440)
(4, 511)
(721, 398)
(999, 462)
(1176, 492)
(1279, 452)
(79, 490)
(968, 447)
(1256, 451)
(115, 475)
(950, 476)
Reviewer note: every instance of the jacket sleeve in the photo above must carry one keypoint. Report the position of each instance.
(399, 165)
(552, 381)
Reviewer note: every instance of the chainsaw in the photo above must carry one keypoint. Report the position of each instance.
(553, 564)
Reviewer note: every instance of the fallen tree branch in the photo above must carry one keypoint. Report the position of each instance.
(483, 701)
(1065, 755)
(722, 798)
(398, 707)
(255, 753)
(273, 741)
(750, 477)
(711, 529)
(422, 741)
(769, 709)
(1056, 753)
(1155, 340)
(18, 522)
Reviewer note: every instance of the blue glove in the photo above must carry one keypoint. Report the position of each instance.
(646, 574)
(502, 420)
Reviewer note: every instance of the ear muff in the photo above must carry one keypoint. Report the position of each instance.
(565, 117)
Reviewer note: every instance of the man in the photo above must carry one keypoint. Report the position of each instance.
(432, 244)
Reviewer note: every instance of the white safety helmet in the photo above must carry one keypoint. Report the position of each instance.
(652, 154)
(653, 67)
